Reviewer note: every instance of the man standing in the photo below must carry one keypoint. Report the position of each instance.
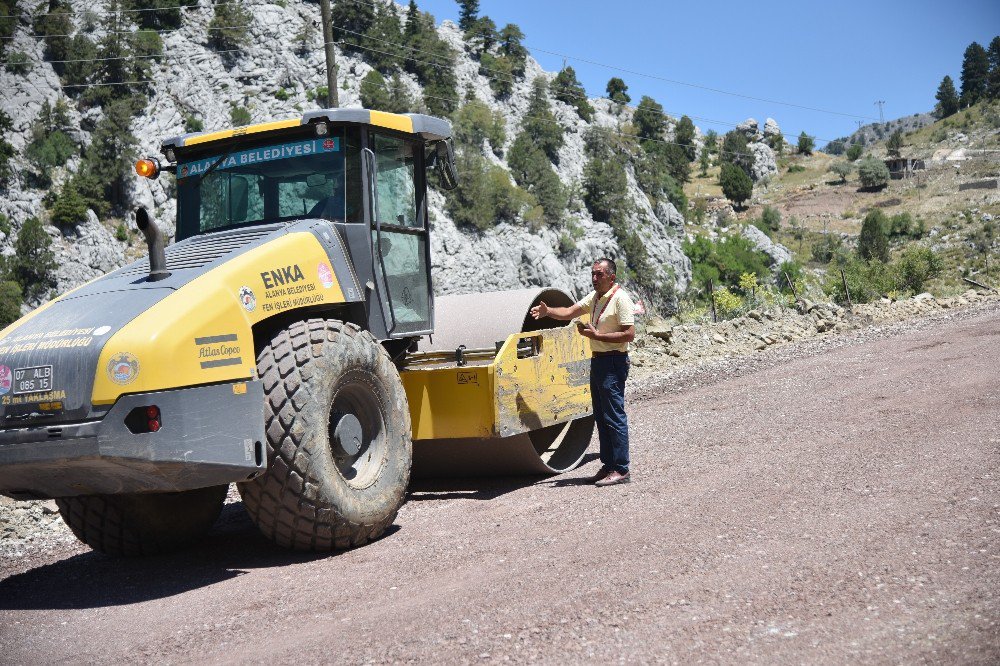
(611, 328)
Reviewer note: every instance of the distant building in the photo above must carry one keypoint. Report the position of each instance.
(903, 167)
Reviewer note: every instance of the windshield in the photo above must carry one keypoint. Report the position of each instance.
(315, 177)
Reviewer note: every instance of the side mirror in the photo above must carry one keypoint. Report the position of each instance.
(445, 164)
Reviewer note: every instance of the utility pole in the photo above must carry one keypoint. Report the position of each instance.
(331, 55)
(880, 104)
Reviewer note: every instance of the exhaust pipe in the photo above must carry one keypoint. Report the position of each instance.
(154, 241)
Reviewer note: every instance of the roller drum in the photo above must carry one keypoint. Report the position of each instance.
(480, 321)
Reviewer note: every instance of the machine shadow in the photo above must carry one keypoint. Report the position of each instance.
(92, 580)
(487, 487)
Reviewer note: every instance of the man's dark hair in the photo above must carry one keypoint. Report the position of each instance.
(610, 263)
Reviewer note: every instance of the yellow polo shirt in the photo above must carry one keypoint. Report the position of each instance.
(619, 313)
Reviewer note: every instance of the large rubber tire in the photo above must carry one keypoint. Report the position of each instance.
(314, 495)
(142, 524)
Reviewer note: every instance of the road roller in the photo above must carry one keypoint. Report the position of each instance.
(288, 341)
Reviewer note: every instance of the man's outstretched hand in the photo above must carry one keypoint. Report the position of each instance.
(539, 311)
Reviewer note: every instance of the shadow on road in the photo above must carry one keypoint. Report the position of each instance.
(92, 580)
(484, 487)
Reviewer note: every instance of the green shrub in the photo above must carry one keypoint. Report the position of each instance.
(854, 151)
(724, 262)
(475, 122)
(566, 243)
(485, 196)
(121, 233)
(193, 124)
(796, 168)
(70, 208)
(824, 251)
(842, 169)
(227, 31)
(281, 95)
(916, 266)
(867, 281)
(873, 242)
(900, 225)
(771, 218)
(239, 116)
(18, 63)
(873, 173)
(10, 302)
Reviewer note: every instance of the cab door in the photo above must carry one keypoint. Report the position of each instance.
(400, 246)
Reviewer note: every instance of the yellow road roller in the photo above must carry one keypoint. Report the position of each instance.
(289, 341)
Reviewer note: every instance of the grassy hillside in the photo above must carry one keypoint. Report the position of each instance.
(818, 208)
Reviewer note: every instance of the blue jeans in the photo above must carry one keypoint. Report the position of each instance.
(607, 389)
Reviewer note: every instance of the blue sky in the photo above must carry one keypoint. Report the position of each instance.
(835, 56)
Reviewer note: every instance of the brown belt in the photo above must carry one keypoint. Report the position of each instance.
(610, 353)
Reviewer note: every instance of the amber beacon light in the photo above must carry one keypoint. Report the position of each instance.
(147, 168)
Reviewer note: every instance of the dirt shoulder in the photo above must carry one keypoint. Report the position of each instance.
(826, 501)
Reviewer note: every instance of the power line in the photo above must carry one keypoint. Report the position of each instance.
(666, 80)
(497, 77)
(493, 73)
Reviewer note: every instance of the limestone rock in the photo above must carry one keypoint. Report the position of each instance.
(748, 128)
(764, 164)
(771, 128)
(776, 252)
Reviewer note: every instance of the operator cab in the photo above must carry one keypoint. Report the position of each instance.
(363, 171)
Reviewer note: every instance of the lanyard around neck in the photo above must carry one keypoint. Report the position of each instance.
(600, 314)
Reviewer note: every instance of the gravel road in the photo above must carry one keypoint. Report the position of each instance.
(825, 502)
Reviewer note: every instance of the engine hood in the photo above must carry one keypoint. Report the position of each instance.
(71, 359)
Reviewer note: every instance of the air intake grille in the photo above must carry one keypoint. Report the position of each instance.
(199, 251)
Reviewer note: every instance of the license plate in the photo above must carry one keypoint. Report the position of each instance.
(33, 380)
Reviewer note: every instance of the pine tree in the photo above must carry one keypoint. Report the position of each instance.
(229, 28)
(705, 160)
(482, 34)
(684, 135)
(351, 20)
(34, 260)
(540, 125)
(55, 21)
(6, 149)
(374, 94)
(947, 98)
(385, 34)
(895, 143)
(10, 301)
(806, 144)
(993, 83)
(873, 243)
(468, 13)
(736, 151)
(511, 48)
(650, 123)
(736, 184)
(618, 91)
(566, 88)
(975, 74)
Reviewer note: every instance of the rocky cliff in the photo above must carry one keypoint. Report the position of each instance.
(274, 77)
